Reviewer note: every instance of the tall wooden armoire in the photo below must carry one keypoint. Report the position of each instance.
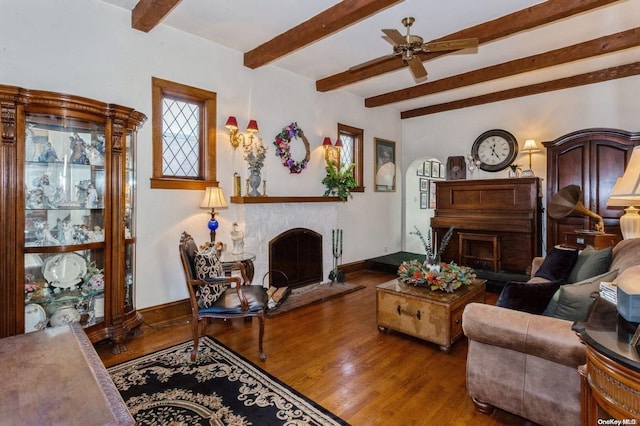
(592, 159)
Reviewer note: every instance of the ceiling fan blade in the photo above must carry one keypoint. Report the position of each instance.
(417, 69)
(395, 36)
(439, 46)
(371, 62)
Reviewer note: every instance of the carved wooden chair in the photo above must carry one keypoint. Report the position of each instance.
(241, 301)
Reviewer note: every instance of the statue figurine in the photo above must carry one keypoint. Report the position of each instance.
(237, 237)
(48, 155)
(91, 201)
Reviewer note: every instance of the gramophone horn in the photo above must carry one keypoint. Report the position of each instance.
(569, 200)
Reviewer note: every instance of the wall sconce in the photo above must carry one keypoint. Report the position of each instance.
(529, 147)
(332, 152)
(237, 138)
(213, 197)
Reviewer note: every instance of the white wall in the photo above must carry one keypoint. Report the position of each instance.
(87, 48)
(542, 117)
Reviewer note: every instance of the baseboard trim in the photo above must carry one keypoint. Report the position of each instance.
(166, 312)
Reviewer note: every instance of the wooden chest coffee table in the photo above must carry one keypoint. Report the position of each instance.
(434, 316)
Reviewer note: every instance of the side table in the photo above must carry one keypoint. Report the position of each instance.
(433, 316)
(610, 379)
(229, 262)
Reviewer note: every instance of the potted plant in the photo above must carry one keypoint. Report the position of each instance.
(339, 182)
(514, 170)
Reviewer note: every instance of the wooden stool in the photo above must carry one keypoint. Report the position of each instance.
(473, 254)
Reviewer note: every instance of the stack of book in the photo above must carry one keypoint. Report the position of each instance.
(609, 291)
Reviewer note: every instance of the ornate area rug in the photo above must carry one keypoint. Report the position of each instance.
(220, 388)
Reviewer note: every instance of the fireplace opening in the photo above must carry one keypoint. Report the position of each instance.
(297, 255)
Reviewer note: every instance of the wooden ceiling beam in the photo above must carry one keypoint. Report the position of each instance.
(525, 19)
(149, 13)
(600, 46)
(332, 20)
(533, 89)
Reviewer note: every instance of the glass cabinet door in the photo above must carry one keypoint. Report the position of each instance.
(64, 234)
(130, 226)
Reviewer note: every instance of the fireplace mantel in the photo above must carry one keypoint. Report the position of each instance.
(268, 199)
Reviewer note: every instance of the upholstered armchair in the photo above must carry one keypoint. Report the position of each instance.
(219, 296)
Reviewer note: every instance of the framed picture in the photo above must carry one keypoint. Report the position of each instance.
(443, 173)
(435, 169)
(424, 184)
(432, 194)
(385, 157)
(424, 200)
(427, 168)
(420, 171)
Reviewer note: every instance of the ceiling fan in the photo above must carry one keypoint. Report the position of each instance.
(408, 47)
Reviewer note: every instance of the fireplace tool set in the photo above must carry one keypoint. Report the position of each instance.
(336, 243)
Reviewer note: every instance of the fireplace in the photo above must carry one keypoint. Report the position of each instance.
(264, 222)
(297, 255)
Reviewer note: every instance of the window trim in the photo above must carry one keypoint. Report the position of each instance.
(207, 162)
(358, 135)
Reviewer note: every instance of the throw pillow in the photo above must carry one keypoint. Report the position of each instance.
(591, 262)
(557, 264)
(573, 301)
(209, 268)
(527, 297)
(208, 265)
(207, 294)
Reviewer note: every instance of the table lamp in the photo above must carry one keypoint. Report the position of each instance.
(530, 146)
(213, 197)
(626, 193)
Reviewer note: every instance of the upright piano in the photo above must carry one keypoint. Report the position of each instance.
(492, 218)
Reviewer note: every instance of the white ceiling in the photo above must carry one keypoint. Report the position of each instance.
(245, 24)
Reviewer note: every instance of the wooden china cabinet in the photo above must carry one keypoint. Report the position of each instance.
(67, 214)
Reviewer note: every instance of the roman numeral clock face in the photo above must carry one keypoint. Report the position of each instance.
(495, 149)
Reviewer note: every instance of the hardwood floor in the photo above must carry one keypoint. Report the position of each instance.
(333, 353)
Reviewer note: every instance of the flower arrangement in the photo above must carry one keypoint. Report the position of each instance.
(515, 167)
(283, 148)
(255, 154)
(431, 256)
(447, 278)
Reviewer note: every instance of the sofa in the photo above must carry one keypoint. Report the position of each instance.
(527, 363)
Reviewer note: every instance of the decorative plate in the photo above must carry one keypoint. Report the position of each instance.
(64, 270)
(35, 318)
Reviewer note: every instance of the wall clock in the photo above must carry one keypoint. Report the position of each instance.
(495, 149)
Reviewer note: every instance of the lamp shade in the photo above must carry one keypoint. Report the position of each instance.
(232, 123)
(252, 127)
(626, 193)
(213, 198)
(326, 142)
(628, 186)
(530, 146)
(339, 143)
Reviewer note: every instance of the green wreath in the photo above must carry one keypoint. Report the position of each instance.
(283, 148)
